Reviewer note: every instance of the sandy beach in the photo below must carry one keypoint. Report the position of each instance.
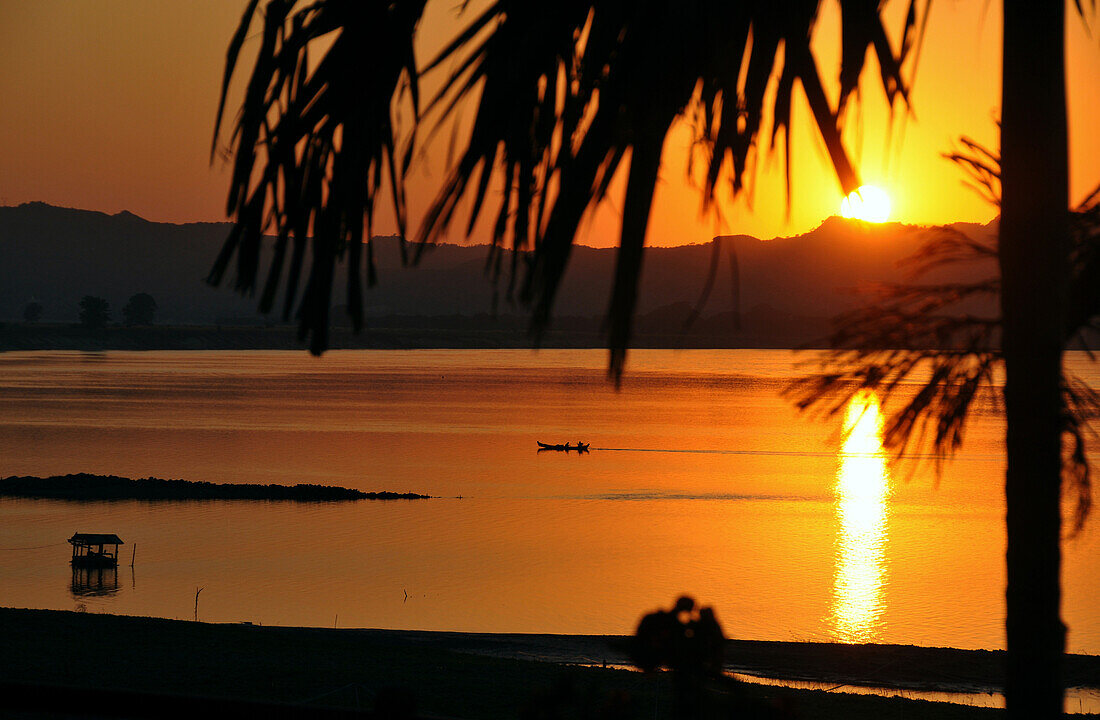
(60, 663)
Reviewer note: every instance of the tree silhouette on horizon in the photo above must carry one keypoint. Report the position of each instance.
(140, 309)
(569, 93)
(95, 312)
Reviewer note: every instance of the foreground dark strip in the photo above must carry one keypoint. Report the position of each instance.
(27, 700)
(455, 675)
(82, 486)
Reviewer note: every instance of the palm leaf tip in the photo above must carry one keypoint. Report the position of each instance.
(558, 90)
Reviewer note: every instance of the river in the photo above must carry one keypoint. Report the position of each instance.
(701, 479)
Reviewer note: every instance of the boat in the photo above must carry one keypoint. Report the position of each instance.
(579, 447)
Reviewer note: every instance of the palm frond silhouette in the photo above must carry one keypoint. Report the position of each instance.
(920, 342)
(565, 93)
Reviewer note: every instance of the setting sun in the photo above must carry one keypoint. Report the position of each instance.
(868, 203)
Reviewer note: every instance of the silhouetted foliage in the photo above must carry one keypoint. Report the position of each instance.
(317, 139)
(95, 312)
(140, 309)
(32, 312)
(917, 341)
(952, 371)
(565, 92)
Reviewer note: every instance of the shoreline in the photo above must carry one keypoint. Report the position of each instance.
(901, 667)
(456, 674)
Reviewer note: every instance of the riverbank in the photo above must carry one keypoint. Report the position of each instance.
(397, 333)
(155, 663)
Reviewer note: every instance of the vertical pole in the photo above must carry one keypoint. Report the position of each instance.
(1034, 252)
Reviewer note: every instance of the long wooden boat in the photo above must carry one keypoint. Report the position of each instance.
(579, 447)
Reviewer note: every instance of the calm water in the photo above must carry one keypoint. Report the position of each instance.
(701, 480)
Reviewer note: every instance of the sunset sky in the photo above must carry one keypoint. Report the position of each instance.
(110, 105)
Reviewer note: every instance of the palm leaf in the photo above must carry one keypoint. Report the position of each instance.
(322, 142)
(563, 93)
(918, 335)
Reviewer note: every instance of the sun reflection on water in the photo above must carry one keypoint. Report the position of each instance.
(862, 492)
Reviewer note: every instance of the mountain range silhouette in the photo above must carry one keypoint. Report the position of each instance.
(784, 288)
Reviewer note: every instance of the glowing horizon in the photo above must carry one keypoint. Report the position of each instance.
(112, 109)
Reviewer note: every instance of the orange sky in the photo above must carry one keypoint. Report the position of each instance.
(109, 106)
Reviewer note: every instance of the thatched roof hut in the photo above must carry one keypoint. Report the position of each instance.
(95, 549)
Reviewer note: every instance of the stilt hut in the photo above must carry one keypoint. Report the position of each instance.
(95, 549)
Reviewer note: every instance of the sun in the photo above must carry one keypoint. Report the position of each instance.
(868, 203)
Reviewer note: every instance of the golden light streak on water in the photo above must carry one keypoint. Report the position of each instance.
(862, 494)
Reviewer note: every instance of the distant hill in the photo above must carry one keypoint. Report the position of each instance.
(788, 286)
(56, 255)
